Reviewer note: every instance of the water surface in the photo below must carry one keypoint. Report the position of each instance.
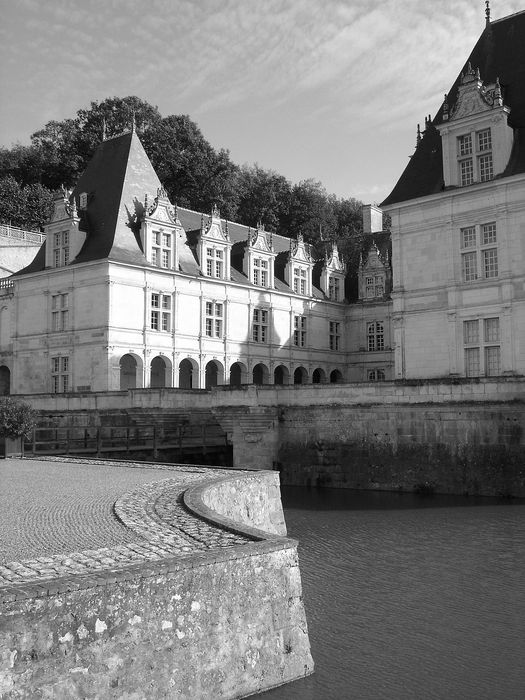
(409, 596)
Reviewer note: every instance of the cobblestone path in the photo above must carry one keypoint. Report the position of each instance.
(64, 516)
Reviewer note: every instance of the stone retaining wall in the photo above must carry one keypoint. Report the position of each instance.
(460, 448)
(224, 623)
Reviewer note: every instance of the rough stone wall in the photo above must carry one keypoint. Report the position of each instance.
(254, 500)
(220, 628)
(454, 448)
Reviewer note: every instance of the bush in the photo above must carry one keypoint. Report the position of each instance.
(17, 419)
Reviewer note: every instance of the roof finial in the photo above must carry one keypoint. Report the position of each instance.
(418, 137)
(445, 109)
(133, 124)
(487, 12)
(103, 128)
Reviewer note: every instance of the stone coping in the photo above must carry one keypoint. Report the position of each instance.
(175, 530)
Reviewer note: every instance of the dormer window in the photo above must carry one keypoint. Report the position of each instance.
(60, 249)
(374, 286)
(83, 201)
(299, 280)
(334, 288)
(260, 272)
(484, 139)
(161, 249)
(215, 263)
(465, 145)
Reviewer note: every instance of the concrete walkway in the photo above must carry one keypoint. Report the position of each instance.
(65, 516)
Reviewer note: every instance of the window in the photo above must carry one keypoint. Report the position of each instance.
(485, 168)
(215, 263)
(375, 336)
(60, 374)
(260, 272)
(299, 333)
(160, 319)
(376, 375)
(480, 259)
(161, 249)
(479, 167)
(466, 172)
(299, 280)
(334, 287)
(465, 145)
(214, 319)
(334, 335)
(484, 140)
(482, 350)
(374, 286)
(260, 326)
(59, 312)
(61, 249)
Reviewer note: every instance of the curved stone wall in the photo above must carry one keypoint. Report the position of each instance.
(202, 606)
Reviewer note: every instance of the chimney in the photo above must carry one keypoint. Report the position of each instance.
(372, 219)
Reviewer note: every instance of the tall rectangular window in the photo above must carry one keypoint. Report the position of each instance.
(334, 335)
(61, 249)
(214, 319)
(480, 259)
(299, 333)
(260, 326)
(60, 374)
(484, 140)
(215, 263)
(334, 288)
(466, 170)
(299, 280)
(375, 335)
(160, 314)
(60, 312)
(374, 286)
(162, 249)
(260, 272)
(482, 347)
(485, 167)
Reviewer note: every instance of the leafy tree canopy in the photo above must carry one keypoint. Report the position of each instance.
(194, 173)
(17, 419)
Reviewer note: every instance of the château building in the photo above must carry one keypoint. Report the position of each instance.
(458, 222)
(130, 291)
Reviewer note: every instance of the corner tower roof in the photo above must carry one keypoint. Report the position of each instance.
(498, 53)
(115, 181)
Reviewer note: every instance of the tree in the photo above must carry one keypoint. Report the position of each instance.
(27, 207)
(311, 212)
(264, 197)
(17, 419)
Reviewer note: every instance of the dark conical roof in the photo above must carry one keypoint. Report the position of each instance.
(116, 180)
(499, 53)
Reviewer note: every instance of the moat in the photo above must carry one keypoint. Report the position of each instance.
(409, 596)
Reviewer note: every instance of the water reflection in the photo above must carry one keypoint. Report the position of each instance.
(410, 596)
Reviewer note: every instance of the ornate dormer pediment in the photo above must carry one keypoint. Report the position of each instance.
(260, 240)
(213, 229)
(63, 235)
(373, 259)
(63, 207)
(333, 262)
(161, 209)
(299, 251)
(473, 96)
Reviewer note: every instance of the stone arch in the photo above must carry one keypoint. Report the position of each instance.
(130, 371)
(5, 380)
(281, 375)
(238, 374)
(260, 374)
(214, 374)
(188, 374)
(160, 372)
(336, 377)
(300, 376)
(319, 376)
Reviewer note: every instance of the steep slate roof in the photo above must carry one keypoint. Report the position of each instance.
(499, 53)
(116, 180)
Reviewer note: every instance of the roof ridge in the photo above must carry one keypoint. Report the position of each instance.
(502, 19)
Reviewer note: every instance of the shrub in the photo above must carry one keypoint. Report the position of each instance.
(17, 419)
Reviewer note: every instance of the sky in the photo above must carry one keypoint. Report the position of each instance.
(326, 89)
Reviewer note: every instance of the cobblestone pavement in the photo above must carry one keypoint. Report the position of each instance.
(64, 516)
